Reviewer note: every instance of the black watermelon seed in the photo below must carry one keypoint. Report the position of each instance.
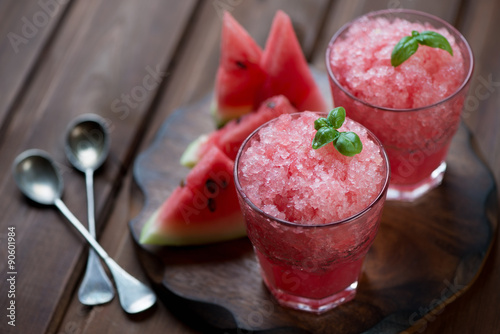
(241, 65)
(211, 186)
(211, 204)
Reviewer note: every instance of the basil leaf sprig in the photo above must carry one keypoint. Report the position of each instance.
(347, 143)
(408, 45)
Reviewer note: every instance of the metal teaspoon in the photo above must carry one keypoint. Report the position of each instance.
(87, 146)
(40, 180)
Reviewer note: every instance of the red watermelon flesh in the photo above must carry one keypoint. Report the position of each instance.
(287, 69)
(204, 210)
(229, 138)
(239, 76)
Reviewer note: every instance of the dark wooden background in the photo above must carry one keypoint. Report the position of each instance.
(62, 58)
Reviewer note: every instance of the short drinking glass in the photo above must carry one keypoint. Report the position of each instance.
(414, 109)
(309, 266)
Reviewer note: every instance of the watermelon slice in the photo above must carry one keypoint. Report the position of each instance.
(247, 76)
(230, 137)
(287, 69)
(239, 76)
(203, 210)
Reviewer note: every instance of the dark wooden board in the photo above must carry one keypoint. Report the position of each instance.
(426, 254)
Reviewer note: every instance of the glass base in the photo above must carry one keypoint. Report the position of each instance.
(317, 306)
(408, 193)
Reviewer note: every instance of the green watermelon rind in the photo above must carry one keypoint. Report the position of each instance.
(190, 157)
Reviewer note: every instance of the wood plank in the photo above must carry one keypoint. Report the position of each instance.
(477, 310)
(480, 26)
(342, 12)
(104, 51)
(26, 28)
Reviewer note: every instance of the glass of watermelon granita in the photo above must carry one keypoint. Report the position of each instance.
(311, 214)
(413, 108)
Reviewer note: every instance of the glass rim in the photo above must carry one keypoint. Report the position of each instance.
(378, 198)
(447, 25)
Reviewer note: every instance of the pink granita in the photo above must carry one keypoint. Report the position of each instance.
(361, 62)
(287, 179)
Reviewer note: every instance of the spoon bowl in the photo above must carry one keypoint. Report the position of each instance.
(87, 142)
(37, 177)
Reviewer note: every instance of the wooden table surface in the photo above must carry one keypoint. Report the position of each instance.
(134, 62)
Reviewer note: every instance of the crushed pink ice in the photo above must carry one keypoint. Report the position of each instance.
(284, 176)
(362, 63)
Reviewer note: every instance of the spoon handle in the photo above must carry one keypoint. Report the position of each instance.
(89, 183)
(76, 223)
(134, 296)
(95, 288)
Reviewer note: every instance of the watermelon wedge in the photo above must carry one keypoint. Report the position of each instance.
(287, 69)
(203, 210)
(239, 76)
(247, 76)
(229, 138)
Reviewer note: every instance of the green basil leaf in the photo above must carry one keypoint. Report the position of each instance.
(321, 123)
(348, 143)
(407, 46)
(336, 117)
(324, 136)
(434, 40)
